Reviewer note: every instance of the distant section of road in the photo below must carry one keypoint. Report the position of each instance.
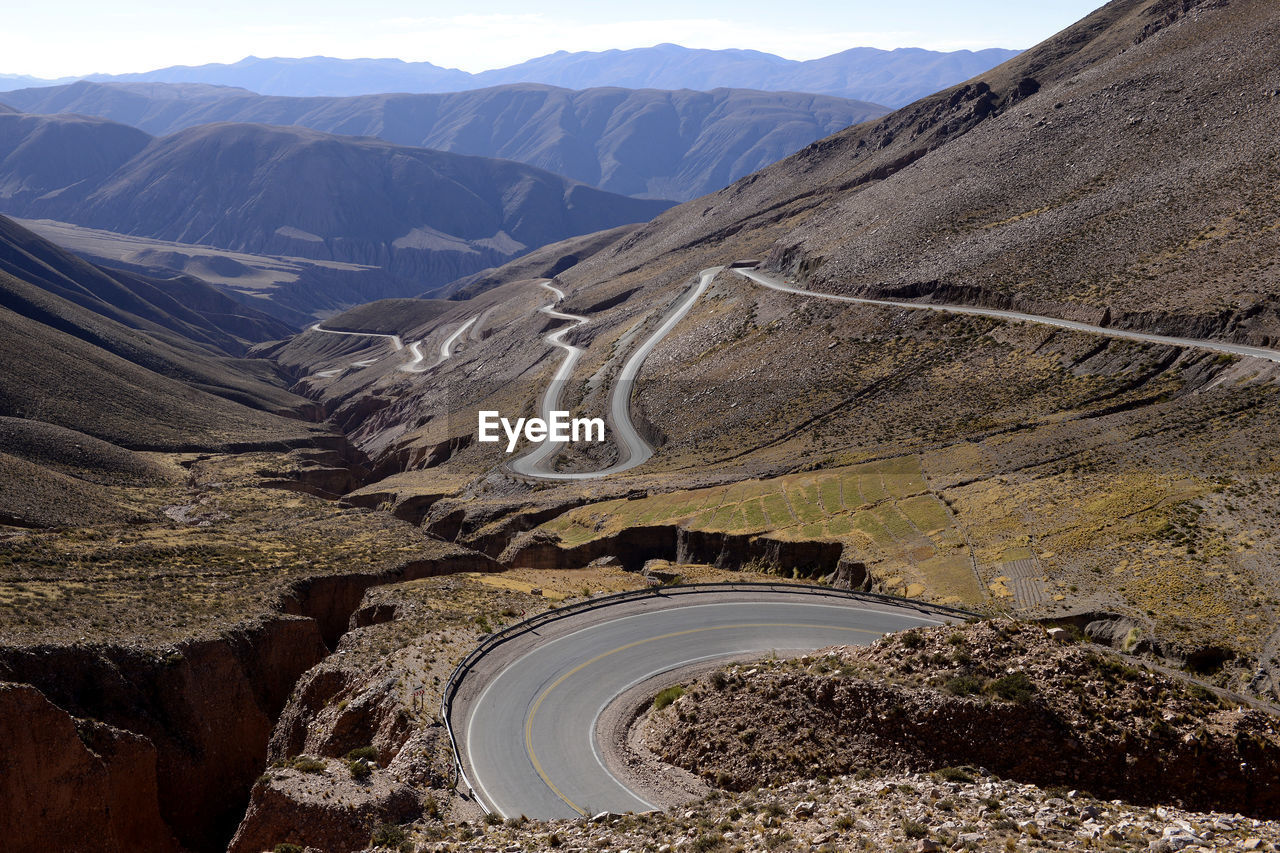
(633, 450)
(395, 339)
(334, 371)
(414, 365)
(535, 462)
(446, 348)
(1019, 317)
(525, 714)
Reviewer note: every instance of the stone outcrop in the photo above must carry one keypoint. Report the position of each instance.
(1005, 697)
(635, 546)
(204, 709)
(332, 599)
(75, 785)
(333, 711)
(184, 731)
(327, 809)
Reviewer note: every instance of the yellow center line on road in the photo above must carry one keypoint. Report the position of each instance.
(528, 725)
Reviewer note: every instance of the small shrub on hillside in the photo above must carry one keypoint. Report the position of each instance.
(1014, 687)
(956, 774)
(710, 841)
(667, 696)
(286, 848)
(773, 842)
(367, 753)
(914, 828)
(302, 763)
(963, 685)
(360, 770)
(431, 807)
(1203, 694)
(387, 835)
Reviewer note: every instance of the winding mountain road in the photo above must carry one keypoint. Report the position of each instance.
(414, 365)
(632, 448)
(334, 371)
(526, 714)
(1019, 317)
(446, 348)
(535, 462)
(635, 451)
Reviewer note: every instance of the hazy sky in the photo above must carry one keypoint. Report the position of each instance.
(75, 37)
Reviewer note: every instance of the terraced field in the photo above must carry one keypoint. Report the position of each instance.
(883, 511)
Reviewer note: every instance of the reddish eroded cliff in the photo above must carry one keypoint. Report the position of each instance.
(75, 785)
(203, 711)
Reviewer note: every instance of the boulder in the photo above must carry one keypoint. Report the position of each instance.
(328, 810)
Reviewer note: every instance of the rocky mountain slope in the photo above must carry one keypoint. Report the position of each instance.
(98, 365)
(423, 215)
(296, 291)
(940, 430)
(1062, 178)
(178, 308)
(891, 77)
(1004, 697)
(646, 143)
(920, 812)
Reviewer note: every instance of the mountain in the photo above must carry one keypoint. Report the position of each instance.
(311, 75)
(96, 366)
(39, 156)
(643, 143)
(296, 291)
(1060, 178)
(425, 216)
(15, 80)
(1101, 177)
(179, 308)
(893, 77)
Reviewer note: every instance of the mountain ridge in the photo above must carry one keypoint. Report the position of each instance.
(645, 143)
(893, 77)
(428, 217)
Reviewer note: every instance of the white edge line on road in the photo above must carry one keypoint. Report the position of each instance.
(482, 794)
(595, 722)
(492, 805)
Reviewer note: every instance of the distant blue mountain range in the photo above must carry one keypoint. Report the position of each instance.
(889, 77)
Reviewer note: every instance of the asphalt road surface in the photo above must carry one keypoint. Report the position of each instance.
(633, 450)
(536, 463)
(414, 365)
(1017, 316)
(526, 724)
